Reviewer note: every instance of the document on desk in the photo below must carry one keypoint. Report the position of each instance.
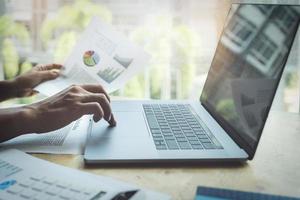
(101, 55)
(67, 140)
(25, 177)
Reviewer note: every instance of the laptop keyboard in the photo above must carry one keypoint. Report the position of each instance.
(175, 126)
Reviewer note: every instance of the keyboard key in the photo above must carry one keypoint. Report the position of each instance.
(155, 131)
(179, 136)
(181, 139)
(192, 138)
(172, 144)
(202, 136)
(198, 129)
(179, 131)
(164, 126)
(205, 140)
(167, 134)
(184, 145)
(169, 137)
(159, 143)
(158, 138)
(176, 128)
(197, 146)
(189, 134)
(157, 135)
(162, 122)
(208, 145)
(166, 130)
(152, 122)
(161, 147)
(187, 130)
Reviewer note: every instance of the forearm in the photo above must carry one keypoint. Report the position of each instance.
(7, 90)
(13, 122)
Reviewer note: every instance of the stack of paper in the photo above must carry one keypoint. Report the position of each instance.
(26, 177)
(67, 140)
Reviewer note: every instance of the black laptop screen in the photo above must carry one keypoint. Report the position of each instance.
(247, 67)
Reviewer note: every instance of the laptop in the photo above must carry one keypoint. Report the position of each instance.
(226, 123)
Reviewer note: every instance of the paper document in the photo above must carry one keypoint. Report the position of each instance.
(101, 55)
(67, 140)
(25, 177)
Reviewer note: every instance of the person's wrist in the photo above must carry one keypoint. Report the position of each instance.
(10, 88)
(18, 121)
(17, 90)
(26, 117)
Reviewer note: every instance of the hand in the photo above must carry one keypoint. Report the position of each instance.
(65, 107)
(25, 83)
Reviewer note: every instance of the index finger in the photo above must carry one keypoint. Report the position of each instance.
(112, 122)
(103, 102)
(96, 89)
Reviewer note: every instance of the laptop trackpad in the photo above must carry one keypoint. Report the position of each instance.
(129, 124)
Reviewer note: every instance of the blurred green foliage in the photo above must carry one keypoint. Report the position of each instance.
(10, 32)
(9, 28)
(63, 30)
(171, 47)
(170, 44)
(161, 38)
(291, 79)
(10, 59)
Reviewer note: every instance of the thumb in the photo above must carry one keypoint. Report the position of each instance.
(27, 93)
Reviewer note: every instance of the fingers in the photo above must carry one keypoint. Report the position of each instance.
(112, 122)
(49, 67)
(96, 93)
(48, 75)
(48, 72)
(92, 108)
(99, 109)
(102, 100)
(27, 93)
(30, 92)
(96, 89)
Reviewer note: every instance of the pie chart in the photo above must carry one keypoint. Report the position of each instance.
(91, 58)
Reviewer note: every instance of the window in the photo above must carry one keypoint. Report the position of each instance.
(263, 49)
(286, 18)
(264, 9)
(240, 31)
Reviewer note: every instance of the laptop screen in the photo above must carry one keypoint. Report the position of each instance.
(247, 67)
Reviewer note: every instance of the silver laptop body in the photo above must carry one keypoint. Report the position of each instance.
(227, 122)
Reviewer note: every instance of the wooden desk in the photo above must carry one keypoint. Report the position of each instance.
(275, 168)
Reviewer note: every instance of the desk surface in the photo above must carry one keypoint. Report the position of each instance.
(274, 169)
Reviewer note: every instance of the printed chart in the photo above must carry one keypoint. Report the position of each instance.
(109, 74)
(125, 62)
(91, 58)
